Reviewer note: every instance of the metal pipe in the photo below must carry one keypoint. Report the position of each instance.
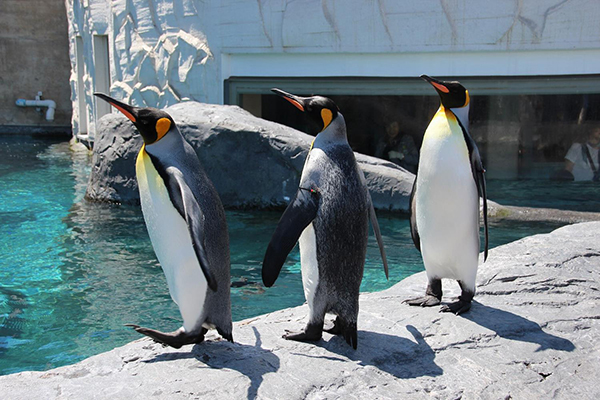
(51, 104)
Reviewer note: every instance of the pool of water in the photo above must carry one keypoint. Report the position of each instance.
(543, 193)
(73, 273)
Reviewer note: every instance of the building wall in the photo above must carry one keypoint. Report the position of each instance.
(34, 56)
(162, 52)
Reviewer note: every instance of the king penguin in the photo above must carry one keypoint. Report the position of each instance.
(444, 203)
(329, 217)
(186, 224)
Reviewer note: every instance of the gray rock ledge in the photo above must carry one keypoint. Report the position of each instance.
(497, 212)
(252, 162)
(532, 333)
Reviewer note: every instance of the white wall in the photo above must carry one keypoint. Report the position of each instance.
(163, 52)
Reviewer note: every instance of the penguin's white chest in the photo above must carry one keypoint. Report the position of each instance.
(447, 203)
(308, 239)
(172, 244)
(310, 265)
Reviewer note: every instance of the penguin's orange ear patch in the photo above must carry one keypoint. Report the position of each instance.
(440, 87)
(162, 127)
(327, 116)
(468, 98)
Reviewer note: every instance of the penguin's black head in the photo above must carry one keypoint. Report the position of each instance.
(321, 109)
(452, 94)
(153, 124)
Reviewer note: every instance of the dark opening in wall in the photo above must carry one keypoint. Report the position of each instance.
(520, 135)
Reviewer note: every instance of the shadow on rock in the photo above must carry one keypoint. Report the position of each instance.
(252, 361)
(395, 355)
(514, 327)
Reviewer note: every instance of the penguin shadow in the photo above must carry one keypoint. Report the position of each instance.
(251, 361)
(514, 327)
(398, 356)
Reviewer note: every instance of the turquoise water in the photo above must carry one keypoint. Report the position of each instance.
(73, 273)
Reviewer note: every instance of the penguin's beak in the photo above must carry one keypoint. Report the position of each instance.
(295, 100)
(437, 84)
(127, 110)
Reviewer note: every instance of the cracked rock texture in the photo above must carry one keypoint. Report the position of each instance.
(252, 162)
(533, 333)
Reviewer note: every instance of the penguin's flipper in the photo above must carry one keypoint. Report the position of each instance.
(414, 232)
(297, 216)
(480, 180)
(375, 225)
(186, 204)
(479, 177)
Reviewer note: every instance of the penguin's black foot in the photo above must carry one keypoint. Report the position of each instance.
(312, 333)
(425, 301)
(174, 339)
(347, 330)
(225, 335)
(458, 307)
(337, 328)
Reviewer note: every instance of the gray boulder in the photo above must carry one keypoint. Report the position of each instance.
(252, 162)
(533, 333)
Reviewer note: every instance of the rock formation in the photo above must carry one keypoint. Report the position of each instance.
(253, 163)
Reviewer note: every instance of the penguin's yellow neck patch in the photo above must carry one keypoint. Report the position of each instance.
(139, 162)
(446, 113)
(468, 99)
(443, 124)
(162, 127)
(440, 112)
(327, 116)
(147, 176)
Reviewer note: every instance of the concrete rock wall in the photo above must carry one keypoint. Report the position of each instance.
(34, 56)
(165, 52)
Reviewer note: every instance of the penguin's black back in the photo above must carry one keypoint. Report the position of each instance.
(341, 229)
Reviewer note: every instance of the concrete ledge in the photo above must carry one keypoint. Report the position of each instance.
(533, 333)
(41, 130)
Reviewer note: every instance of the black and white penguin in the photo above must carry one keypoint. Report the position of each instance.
(444, 203)
(186, 223)
(329, 217)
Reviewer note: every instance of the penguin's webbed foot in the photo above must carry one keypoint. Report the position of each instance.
(174, 339)
(425, 301)
(458, 307)
(464, 300)
(311, 333)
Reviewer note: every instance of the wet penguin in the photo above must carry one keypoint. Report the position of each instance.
(329, 217)
(444, 203)
(186, 224)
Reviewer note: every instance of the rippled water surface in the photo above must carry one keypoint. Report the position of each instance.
(73, 273)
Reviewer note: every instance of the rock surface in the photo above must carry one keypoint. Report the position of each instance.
(252, 162)
(533, 332)
(497, 212)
